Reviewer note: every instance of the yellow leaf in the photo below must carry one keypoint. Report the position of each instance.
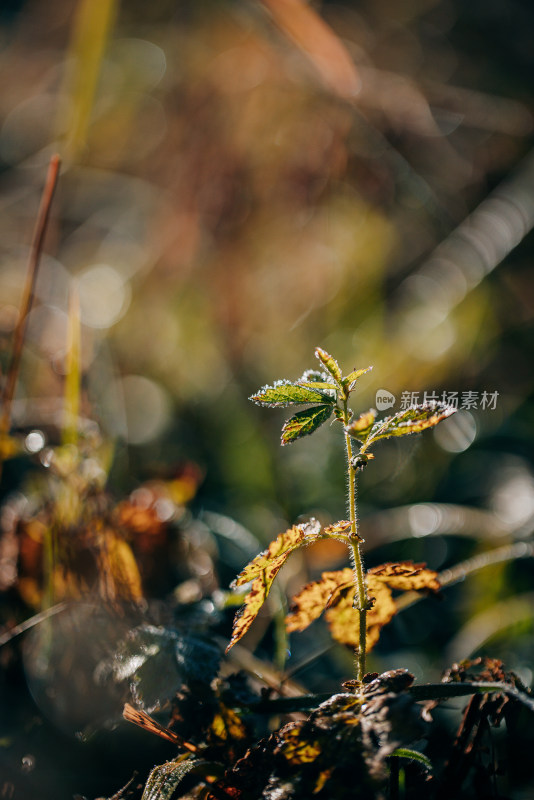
(324, 776)
(335, 594)
(9, 447)
(298, 750)
(263, 570)
(406, 576)
(118, 572)
(381, 612)
(344, 620)
(315, 597)
(278, 551)
(343, 526)
(227, 724)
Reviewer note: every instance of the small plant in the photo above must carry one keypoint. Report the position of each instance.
(361, 742)
(357, 604)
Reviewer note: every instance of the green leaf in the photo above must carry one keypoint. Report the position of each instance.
(361, 428)
(413, 755)
(324, 385)
(305, 422)
(330, 363)
(412, 420)
(285, 393)
(350, 381)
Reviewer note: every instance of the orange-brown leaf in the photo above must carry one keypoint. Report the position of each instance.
(312, 600)
(381, 612)
(406, 576)
(335, 594)
(344, 620)
(273, 558)
(249, 611)
(263, 570)
(361, 427)
(343, 526)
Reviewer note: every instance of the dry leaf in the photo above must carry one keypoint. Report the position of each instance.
(316, 596)
(263, 570)
(335, 594)
(296, 748)
(343, 526)
(407, 576)
(145, 721)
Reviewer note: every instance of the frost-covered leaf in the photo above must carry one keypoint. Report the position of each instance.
(285, 393)
(263, 570)
(330, 363)
(277, 552)
(343, 527)
(413, 755)
(406, 576)
(315, 376)
(350, 381)
(305, 422)
(323, 385)
(412, 420)
(361, 428)
(165, 778)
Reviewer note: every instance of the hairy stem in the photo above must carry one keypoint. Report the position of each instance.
(356, 555)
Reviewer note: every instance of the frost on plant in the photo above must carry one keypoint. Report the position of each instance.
(356, 604)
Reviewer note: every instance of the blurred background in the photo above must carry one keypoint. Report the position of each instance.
(243, 180)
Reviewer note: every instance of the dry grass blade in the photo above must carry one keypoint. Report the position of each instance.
(29, 291)
(317, 40)
(73, 372)
(36, 619)
(92, 25)
(146, 722)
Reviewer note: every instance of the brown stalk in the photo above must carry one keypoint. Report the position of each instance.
(145, 721)
(27, 298)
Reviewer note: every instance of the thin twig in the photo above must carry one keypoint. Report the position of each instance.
(31, 622)
(456, 574)
(28, 296)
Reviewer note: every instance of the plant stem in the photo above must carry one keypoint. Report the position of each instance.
(356, 556)
(28, 296)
